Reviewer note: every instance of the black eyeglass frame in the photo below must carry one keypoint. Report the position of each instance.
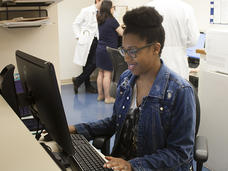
(132, 51)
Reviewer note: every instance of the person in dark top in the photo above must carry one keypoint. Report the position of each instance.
(154, 114)
(109, 29)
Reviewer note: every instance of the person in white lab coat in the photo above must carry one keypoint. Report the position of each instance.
(85, 29)
(181, 32)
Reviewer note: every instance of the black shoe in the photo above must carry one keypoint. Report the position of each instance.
(91, 89)
(75, 90)
(74, 79)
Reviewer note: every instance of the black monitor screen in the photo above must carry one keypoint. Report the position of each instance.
(40, 84)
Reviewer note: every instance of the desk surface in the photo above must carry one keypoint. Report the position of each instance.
(19, 150)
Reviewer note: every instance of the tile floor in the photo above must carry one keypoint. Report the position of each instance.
(83, 107)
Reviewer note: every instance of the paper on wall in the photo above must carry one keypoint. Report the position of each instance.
(119, 13)
(221, 11)
(216, 48)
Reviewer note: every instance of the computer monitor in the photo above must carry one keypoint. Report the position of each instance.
(191, 52)
(40, 85)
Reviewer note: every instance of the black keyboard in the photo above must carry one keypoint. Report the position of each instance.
(85, 155)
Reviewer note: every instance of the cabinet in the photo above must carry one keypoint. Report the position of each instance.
(213, 103)
(24, 13)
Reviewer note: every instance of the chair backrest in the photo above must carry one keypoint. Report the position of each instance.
(16, 101)
(197, 112)
(7, 88)
(197, 108)
(118, 63)
(119, 66)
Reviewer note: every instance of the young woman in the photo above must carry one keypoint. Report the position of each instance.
(154, 113)
(109, 29)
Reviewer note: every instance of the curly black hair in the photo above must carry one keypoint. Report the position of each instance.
(145, 22)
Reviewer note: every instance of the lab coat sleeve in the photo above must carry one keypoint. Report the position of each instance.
(192, 29)
(78, 22)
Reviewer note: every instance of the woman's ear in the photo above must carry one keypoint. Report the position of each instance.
(157, 48)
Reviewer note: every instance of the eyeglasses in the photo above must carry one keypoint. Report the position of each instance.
(132, 51)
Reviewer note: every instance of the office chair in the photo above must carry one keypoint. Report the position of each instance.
(200, 146)
(16, 101)
(7, 88)
(119, 66)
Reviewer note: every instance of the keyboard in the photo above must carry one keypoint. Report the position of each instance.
(87, 158)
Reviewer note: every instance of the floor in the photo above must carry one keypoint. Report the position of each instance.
(84, 107)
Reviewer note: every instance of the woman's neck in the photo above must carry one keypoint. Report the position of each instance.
(144, 83)
(151, 74)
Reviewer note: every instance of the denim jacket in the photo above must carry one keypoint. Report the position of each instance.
(166, 127)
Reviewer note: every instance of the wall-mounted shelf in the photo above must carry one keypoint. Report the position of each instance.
(24, 22)
(15, 4)
(26, 13)
(31, 13)
(24, 3)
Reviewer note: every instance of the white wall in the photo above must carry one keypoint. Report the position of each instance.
(67, 12)
(202, 12)
(131, 4)
(38, 41)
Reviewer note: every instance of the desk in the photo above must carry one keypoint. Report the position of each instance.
(19, 150)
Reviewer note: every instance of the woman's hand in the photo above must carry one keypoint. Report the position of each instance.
(72, 129)
(117, 164)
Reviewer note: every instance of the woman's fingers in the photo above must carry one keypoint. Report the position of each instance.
(117, 164)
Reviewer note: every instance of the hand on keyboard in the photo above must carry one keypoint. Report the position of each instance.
(87, 158)
(72, 129)
(117, 164)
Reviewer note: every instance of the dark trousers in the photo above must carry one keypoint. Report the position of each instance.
(90, 65)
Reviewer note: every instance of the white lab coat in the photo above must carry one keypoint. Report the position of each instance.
(181, 32)
(85, 28)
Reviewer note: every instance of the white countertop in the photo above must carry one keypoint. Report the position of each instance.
(19, 150)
